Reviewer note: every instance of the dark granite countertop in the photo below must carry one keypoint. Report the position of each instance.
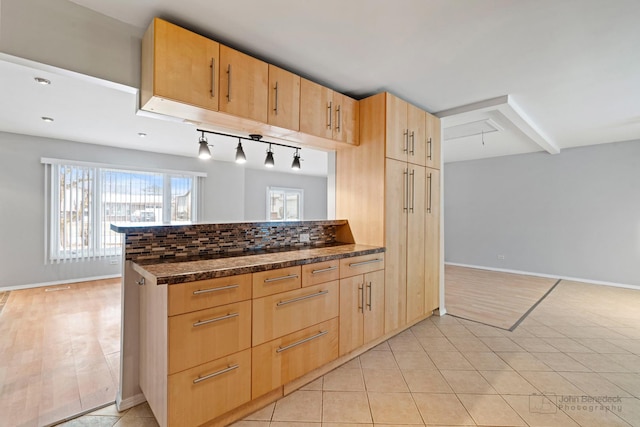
(168, 272)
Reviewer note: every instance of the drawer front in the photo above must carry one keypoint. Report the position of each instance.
(320, 272)
(205, 392)
(274, 281)
(361, 264)
(205, 335)
(280, 361)
(194, 296)
(287, 312)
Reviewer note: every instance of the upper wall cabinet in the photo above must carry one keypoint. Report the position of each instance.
(406, 130)
(284, 98)
(433, 141)
(178, 65)
(328, 114)
(243, 81)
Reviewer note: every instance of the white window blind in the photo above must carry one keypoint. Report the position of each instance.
(84, 199)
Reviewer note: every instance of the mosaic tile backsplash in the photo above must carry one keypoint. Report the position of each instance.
(166, 242)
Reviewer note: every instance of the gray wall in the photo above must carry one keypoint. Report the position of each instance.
(22, 195)
(255, 196)
(575, 214)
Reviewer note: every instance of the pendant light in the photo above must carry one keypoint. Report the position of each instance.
(268, 161)
(296, 161)
(240, 157)
(204, 152)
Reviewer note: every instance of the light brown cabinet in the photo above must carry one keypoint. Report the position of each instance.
(432, 240)
(178, 66)
(284, 99)
(328, 114)
(244, 84)
(433, 150)
(405, 131)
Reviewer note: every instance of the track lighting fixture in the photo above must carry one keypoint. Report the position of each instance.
(269, 160)
(240, 157)
(203, 151)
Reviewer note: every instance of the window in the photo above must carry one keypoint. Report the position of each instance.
(84, 200)
(284, 204)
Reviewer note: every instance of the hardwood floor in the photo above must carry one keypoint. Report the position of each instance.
(59, 351)
(493, 298)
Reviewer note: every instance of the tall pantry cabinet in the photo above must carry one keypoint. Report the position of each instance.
(391, 198)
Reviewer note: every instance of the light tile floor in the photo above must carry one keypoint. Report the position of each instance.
(581, 344)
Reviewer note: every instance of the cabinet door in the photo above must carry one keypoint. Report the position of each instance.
(244, 85)
(316, 109)
(433, 141)
(345, 119)
(415, 243)
(351, 319)
(432, 240)
(284, 98)
(374, 305)
(416, 123)
(397, 136)
(396, 208)
(184, 66)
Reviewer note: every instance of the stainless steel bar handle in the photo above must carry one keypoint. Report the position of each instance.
(215, 374)
(330, 115)
(369, 302)
(289, 301)
(405, 190)
(222, 288)
(413, 143)
(430, 192)
(324, 270)
(276, 98)
(213, 77)
(215, 319)
(275, 279)
(413, 190)
(361, 293)
(297, 343)
(229, 83)
(430, 148)
(369, 261)
(406, 140)
(338, 118)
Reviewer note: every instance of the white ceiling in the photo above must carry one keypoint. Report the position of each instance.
(571, 67)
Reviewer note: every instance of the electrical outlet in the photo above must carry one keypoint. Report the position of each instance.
(304, 238)
(500, 256)
(114, 261)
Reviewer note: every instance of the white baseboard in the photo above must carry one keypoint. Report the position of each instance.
(549, 276)
(129, 402)
(57, 282)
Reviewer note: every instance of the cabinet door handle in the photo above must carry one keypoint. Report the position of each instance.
(302, 298)
(276, 98)
(302, 341)
(361, 293)
(222, 288)
(229, 83)
(324, 270)
(369, 261)
(213, 77)
(369, 302)
(215, 374)
(329, 108)
(405, 136)
(413, 143)
(413, 190)
(430, 143)
(405, 190)
(275, 279)
(338, 118)
(215, 319)
(430, 192)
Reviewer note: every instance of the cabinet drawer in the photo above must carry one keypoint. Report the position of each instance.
(193, 296)
(286, 312)
(205, 335)
(361, 264)
(273, 281)
(282, 360)
(320, 272)
(205, 392)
